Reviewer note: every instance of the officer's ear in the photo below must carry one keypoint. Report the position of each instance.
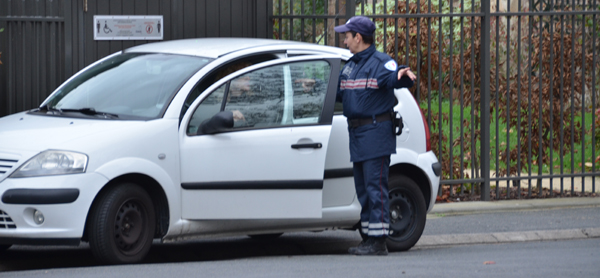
(359, 37)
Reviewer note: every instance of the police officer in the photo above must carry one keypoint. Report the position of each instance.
(366, 90)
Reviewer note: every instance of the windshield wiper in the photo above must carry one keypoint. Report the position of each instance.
(90, 111)
(86, 111)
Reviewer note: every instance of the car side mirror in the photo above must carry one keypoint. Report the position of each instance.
(220, 122)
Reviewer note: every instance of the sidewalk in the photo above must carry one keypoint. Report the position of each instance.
(513, 205)
(470, 208)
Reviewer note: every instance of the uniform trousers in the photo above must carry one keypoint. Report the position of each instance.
(371, 182)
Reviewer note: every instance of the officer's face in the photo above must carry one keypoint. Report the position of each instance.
(352, 42)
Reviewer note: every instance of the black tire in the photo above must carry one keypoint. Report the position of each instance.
(122, 225)
(407, 213)
(3, 247)
(266, 236)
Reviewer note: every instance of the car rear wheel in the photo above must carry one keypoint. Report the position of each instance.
(407, 213)
(122, 225)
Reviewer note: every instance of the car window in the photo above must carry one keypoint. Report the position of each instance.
(209, 107)
(280, 95)
(221, 72)
(310, 87)
(131, 85)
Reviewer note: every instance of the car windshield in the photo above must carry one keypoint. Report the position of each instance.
(127, 86)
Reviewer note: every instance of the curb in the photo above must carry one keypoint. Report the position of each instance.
(513, 205)
(508, 237)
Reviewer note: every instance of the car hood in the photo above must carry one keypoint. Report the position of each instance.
(29, 132)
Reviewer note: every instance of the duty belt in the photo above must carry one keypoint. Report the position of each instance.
(353, 123)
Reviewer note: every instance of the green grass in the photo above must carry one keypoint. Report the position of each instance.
(500, 137)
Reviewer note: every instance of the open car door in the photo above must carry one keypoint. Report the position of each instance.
(269, 162)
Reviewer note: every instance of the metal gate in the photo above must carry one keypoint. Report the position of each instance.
(32, 43)
(45, 41)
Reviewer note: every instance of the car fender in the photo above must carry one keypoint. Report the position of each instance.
(423, 162)
(413, 134)
(404, 155)
(133, 165)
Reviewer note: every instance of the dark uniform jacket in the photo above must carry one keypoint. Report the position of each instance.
(366, 90)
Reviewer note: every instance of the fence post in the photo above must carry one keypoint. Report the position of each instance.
(350, 8)
(68, 31)
(485, 100)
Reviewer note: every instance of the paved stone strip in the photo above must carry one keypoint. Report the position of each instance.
(508, 237)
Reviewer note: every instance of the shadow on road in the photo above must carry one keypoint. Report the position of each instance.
(34, 258)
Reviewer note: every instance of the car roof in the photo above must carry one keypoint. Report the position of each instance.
(216, 47)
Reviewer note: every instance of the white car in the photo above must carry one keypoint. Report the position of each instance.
(143, 145)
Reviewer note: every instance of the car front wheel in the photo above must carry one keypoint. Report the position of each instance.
(122, 225)
(407, 213)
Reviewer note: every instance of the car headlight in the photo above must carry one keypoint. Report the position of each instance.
(52, 162)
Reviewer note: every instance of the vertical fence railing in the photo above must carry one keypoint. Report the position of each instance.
(508, 86)
(485, 102)
(558, 45)
(32, 46)
(310, 20)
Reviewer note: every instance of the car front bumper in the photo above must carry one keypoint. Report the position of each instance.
(63, 201)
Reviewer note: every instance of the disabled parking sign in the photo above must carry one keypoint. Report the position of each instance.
(128, 27)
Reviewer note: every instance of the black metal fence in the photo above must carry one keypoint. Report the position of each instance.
(509, 87)
(32, 42)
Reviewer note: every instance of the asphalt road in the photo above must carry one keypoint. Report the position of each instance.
(569, 258)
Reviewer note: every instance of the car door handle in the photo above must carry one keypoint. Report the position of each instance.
(307, 146)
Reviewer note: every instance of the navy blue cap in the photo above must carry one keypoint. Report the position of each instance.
(360, 24)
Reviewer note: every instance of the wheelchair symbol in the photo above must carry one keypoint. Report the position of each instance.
(106, 28)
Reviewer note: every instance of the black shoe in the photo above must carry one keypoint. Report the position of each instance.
(352, 250)
(373, 246)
